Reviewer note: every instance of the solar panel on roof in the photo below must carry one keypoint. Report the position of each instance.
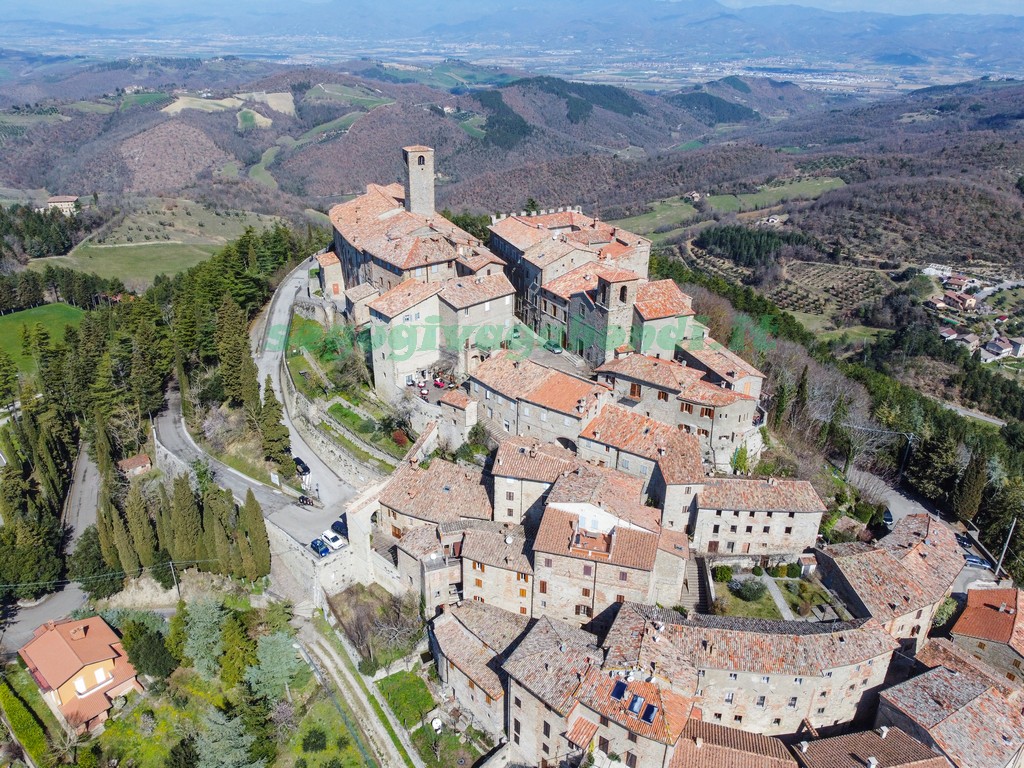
(649, 712)
(636, 704)
(618, 690)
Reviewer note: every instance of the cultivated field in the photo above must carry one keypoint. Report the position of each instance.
(53, 318)
(259, 172)
(136, 265)
(357, 96)
(279, 102)
(250, 118)
(203, 105)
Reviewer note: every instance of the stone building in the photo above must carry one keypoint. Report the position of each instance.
(496, 569)
(762, 521)
(524, 469)
(991, 629)
(404, 348)
(901, 580)
(883, 748)
(662, 319)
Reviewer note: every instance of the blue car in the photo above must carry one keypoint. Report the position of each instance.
(318, 546)
(339, 528)
(977, 562)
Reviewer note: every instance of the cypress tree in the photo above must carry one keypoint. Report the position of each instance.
(140, 526)
(276, 441)
(106, 535)
(239, 651)
(164, 535)
(971, 487)
(123, 543)
(252, 524)
(249, 570)
(8, 379)
(800, 399)
(221, 546)
(186, 523)
(232, 348)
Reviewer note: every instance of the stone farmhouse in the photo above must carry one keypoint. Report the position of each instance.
(901, 580)
(991, 629)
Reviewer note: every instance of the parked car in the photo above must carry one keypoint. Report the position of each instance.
(440, 383)
(301, 467)
(306, 501)
(964, 541)
(334, 541)
(887, 518)
(338, 526)
(318, 546)
(553, 346)
(977, 562)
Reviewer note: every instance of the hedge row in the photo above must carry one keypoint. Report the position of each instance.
(26, 726)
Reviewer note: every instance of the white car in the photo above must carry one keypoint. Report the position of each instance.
(333, 540)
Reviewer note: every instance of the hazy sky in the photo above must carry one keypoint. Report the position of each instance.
(1013, 7)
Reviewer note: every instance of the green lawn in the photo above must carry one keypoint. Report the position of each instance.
(141, 99)
(361, 455)
(53, 318)
(408, 697)
(136, 264)
(259, 172)
(126, 738)
(450, 750)
(672, 211)
(23, 684)
(341, 745)
(688, 146)
(725, 203)
(854, 333)
(764, 608)
(474, 126)
(342, 123)
(95, 107)
(304, 333)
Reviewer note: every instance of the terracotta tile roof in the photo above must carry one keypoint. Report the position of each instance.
(404, 296)
(496, 628)
(769, 495)
(361, 291)
(550, 660)
(703, 392)
(895, 749)
(665, 374)
(462, 292)
(509, 551)
(709, 745)
(138, 461)
(993, 614)
(440, 493)
(676, 452)
(741, 645)
(560, 530)
(583, 279)
(718, 359)
(58, 650)
(940, 652)
(522, 379)
(970, 721)
(613, 491)
(81, 710)
(328, 258)
(668, 716)
(469, 655)
(456, 398)
(526, 458)
(476, 258)
(913, 567)
(524, 232)
(582, 733)
(676, 543)
(420, 541)
(417, 148)
(660, 299)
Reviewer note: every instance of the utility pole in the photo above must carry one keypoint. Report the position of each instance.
(1006, 546)
(175, 577)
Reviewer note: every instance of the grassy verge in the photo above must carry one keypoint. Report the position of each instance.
(362, 456)
(53, 317)
(324, 717)
(367, 429)
(27, 690)
(325, 629)
(408, 697)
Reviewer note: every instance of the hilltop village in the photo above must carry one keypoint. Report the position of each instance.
(569, 577)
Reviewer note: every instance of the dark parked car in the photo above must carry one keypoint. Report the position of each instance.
(977, 562)
(964, 541)
(301, 467)
(887, 518)
(553, 346)
(318, 546)
(339, 528)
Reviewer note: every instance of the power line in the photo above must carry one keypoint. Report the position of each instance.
(110, 574)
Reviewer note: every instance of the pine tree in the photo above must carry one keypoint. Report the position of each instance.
(222, 742)
(255, 528)
(186, 523)
(140, 526)
(971, 487)
(8, 379)
(276, 441)
(277, 665)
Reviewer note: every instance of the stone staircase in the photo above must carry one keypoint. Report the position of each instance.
(695, 596)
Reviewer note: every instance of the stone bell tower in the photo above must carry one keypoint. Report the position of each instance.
(419, 180)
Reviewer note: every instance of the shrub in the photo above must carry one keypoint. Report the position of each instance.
(944, 612)
(315, 740)
(778, 571)
(368, 667)
(401, 439)
(721, 573)
(342, 742)
(804, 609)
(757, 570)
(793, 587)
(793, 570)
(720, 607)
(680, 609)
(24, 723)
(301, 763)
(749, 590)
(334, 762)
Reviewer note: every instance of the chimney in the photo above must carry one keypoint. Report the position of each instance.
(803, 746)
(419, 180)
(1002, 607)
(872, 762)
(883, 731)
(698, 742)
(78, 633)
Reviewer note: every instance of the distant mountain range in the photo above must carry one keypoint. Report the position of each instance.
(535, 33)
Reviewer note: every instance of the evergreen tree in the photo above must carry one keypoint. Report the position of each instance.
(147, 375)
(105, 535)
(176, 635)
(232, 342)
(164, 527)
(276, 441)
(88, 567)
(780, 404)
(146, 650)
(971, 487)
(248, 564)
(934, 467)
(239, 651)
(800, 398)
(255, 528)
(140, 526)
(186, 524)
(276, 665)
(203, 642)
(123, 544)
(223, 742)
(256, 715)
(8, 379)
(161, 570)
